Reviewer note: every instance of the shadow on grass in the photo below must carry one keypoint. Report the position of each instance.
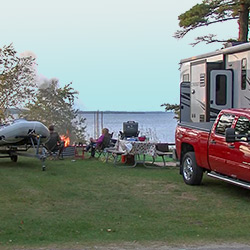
(221, 187)
(21, 163)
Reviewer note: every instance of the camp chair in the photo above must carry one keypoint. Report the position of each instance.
(106, 143)
(54, 148)
(162, 150)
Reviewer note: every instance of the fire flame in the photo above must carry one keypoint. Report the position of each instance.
(66, 140)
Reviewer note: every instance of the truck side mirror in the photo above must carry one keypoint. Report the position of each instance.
(230, 135)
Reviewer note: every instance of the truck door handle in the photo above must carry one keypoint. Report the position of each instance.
(213, 142)
(231, 146)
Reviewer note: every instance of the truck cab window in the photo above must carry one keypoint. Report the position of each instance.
(221, 90)
(225, 122)
(242, 126)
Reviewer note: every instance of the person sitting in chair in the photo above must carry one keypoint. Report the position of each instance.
(95, 143)
(54, 143)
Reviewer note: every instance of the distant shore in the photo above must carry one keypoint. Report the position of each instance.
(17, 111)
(124, 112)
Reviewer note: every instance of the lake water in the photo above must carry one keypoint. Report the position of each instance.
(157, 126)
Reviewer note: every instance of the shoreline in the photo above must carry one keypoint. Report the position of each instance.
(124, 112)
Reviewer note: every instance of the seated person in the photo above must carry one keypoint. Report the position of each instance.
(54, 143)
(96, 143)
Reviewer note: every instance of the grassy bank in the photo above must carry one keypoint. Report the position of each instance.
(88, 201)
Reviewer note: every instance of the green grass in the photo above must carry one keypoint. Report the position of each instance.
(88, 201)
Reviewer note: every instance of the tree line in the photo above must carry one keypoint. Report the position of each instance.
(44, 101)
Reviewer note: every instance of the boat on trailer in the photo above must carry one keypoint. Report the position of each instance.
(19, 131)
(17, 137)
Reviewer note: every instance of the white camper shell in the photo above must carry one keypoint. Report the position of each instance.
(215, 81)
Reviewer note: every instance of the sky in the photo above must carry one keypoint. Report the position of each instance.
(120, 55)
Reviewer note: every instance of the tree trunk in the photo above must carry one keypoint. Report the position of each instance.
(243, 21)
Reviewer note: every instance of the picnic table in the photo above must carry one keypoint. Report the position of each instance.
(138, 149)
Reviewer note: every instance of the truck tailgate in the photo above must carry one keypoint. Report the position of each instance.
(193, 137)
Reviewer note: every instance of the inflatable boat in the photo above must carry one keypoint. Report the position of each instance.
(20, 131)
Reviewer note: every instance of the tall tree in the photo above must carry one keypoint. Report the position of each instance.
(215, 11)
(55, 105)
(17, 80)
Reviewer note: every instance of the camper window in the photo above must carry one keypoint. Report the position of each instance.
(221, 90)
(243, 73)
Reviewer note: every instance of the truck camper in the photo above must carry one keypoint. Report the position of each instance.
(214, 81)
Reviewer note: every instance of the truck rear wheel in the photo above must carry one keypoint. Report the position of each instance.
(192, 174)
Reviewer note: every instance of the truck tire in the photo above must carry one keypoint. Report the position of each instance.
(191, 173)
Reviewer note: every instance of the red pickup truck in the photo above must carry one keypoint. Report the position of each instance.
(222, 148)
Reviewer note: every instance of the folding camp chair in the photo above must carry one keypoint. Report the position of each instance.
(106, 143)
(55, 149)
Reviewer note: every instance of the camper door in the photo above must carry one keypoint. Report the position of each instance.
(221, 91)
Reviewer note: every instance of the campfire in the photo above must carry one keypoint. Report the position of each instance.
(66, 140)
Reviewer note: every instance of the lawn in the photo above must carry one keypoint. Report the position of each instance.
(89, 201)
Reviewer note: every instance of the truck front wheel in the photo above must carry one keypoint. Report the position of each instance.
(192, 174)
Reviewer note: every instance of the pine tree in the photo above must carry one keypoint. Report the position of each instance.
(54, 105)
(215, 11)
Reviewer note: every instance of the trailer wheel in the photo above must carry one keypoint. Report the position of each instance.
(191, 172)
(13, 158)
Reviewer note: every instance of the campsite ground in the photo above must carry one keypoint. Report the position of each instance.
(88, 204)
(150, 246)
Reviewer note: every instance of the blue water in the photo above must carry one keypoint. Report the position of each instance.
(157, 126)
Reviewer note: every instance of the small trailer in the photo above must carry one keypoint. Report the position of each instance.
(214, 81)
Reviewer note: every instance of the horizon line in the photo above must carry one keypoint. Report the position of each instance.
(110, 111)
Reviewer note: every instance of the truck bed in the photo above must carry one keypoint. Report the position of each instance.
(204, 126)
